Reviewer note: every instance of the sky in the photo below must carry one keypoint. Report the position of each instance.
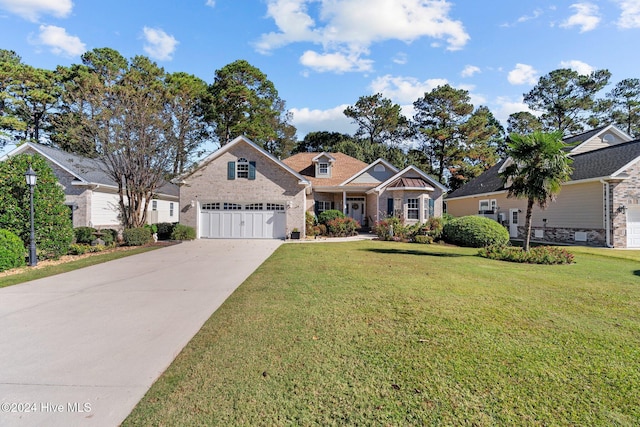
(322, 55)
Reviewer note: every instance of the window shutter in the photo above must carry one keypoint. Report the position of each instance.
(432, 205)
(390, 206)
(252, 170)
(231, 170)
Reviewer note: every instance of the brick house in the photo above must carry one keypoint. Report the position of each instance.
(242, 191)
(599, 206)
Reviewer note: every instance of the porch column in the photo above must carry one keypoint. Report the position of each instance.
(344, 202)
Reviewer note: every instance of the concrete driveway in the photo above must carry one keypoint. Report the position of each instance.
(82, 348)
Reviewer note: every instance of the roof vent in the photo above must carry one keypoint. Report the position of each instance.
(608, 138)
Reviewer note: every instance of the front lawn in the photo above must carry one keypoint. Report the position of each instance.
(384, 333)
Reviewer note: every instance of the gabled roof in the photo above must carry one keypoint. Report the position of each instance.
(342, 168)
(85, 170)
(582, 137)
(608, 162)
(371, 166)
(410, 184)
(576, 143)
(229, 146)
(432, 182)
(324, 154)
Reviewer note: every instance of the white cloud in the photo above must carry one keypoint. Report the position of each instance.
(587, 17)
(470, 70)
(579, 66)
(524, 18)
(33, 9)
(336, 62)
(159, 45)
(211, 3)
(400, 58)
(404, 90)
(59, 41)
(523, 74)
(306, 120)
(630, 14)
(354, 25)
(505, 106)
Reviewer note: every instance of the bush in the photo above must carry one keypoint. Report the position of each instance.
(78, 249)
(183, 232)
(329, 215)
(433, 228)
(475, 232)
(12, 251)
(84, 234)
(309, 223)
(109, 236)
(535, 255)
(420, 238)
(320, 230)
(164, 230)
(53, 228)
(343, 227)
(136, 236)
(390, 228)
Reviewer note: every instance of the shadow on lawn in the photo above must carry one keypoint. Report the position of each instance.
(637, 272)
(413, 252)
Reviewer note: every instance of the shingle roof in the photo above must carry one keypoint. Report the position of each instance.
(582, 137)
(342, 169)
(91, 170)
(592, 164)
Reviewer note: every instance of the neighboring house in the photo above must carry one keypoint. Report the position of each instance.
(242, 191)
(599, 206)
(90, 192)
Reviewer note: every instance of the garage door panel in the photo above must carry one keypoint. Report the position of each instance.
(242, 224)
(633, 227)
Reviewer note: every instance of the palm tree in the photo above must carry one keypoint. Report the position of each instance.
(536, 170)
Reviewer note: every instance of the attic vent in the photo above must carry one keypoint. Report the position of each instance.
(379, 168)
(608, 138)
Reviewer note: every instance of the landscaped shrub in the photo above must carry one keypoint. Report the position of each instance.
(164, 230)
(390, 228)
(320, 230)
(52, 224)
(433, 228)
(84, 234)
(309, 223)
(183, 232)
(12, 251)
(343, 227)
(78, 249)
(535, 255)
(421, 238)
(107, 236)
(475, 232)
(136, 236)
(329, 215)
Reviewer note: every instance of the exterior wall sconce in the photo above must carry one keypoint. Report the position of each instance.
(289, 204)
(193, 204)
(622, 208)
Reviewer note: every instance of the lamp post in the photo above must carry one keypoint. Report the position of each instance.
(31, 177)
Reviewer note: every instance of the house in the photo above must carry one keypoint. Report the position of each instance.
(90, 192)
(599, 206)
(242, 191)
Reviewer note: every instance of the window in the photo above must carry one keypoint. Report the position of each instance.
(379, 168)
(254, 207)
(397, 207)
(275, 207)
(413, 206)
(170, 209)
(232, 207)
(154, 205)
(323, 206)
(242, 168)
(488, 206)
(323, 168)
(210, 206)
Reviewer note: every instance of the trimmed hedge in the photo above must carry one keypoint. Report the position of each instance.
(165, 229)
(329, 215)
(183, 232)
(474, 232)
(343, 227)
(136, 236)
(12, 251)
(535, 255)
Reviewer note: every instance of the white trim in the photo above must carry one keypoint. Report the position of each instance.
(625, 167)
(219, 152)
(323, 154)
(412, 188)
(477, 195)
(369, 166)
(23, 147)
(379, 188)
(621, 134)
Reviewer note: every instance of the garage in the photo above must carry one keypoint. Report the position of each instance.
(633, 227)
(226, 220)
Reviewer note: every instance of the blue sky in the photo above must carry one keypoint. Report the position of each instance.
(322, 55)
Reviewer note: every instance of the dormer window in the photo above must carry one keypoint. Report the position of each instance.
(323, 168)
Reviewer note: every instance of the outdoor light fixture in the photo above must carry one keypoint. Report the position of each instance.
(622, 208)
(31, 177)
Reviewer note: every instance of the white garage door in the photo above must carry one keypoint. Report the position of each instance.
(633, 227)
(222, 220)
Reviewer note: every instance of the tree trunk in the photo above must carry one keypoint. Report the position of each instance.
(527, 224)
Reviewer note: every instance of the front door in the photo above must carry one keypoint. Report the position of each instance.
(355, 210)
(514, 220)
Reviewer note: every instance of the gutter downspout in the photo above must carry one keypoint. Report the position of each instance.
(607, 216)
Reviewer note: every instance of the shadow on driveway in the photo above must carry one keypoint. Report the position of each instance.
(414, 252)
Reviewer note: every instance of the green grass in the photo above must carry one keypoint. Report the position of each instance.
(383, 333)
(51, 270)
